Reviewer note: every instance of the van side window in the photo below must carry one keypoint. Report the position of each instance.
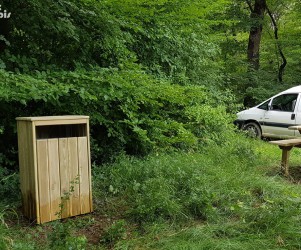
(286, 102)
(265, 105)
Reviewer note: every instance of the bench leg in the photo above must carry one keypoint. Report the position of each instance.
(285, 159)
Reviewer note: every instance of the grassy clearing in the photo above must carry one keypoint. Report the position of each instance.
(233, 197)
(223, 197)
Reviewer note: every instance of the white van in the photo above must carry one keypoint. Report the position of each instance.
(272, 117)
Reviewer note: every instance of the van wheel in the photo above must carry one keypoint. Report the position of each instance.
(253, 130)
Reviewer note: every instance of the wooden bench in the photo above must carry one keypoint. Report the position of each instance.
(286, 146)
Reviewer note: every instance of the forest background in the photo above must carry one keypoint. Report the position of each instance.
(154, 76)
(186, 61)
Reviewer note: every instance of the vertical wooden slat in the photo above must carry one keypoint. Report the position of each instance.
(22, 147)
(89, 163)
(30, 169)
(33, 166)
(64, 176)
(83, 164)
(73, 167)
(43, 179)
(54, 178)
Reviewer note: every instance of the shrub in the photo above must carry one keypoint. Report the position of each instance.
(115, 232)
(61, 237)
(9, 185)
(130, 110)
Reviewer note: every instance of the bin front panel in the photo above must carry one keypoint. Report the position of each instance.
(64, 178)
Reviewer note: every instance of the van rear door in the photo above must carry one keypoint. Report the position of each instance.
(298, 115)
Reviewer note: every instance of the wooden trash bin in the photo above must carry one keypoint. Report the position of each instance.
(55, 166)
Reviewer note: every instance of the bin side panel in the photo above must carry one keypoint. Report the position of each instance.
(23, 165)
(54, 178)
(27, 170)
(64, 176)
(83, 164)
(74, 176)
(43, 181)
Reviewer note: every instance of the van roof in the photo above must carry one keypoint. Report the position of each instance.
(295, 89)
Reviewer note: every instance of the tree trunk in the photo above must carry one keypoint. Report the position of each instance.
(4, 32)
(257, 15)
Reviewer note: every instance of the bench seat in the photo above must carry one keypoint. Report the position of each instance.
(287, 143)
(286, 146)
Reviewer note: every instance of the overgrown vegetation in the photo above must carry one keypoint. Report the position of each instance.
(222, 197)
(161, 82)
(130, 111)
(150, 74)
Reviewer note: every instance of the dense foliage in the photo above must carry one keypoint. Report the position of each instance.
(148, 81)
(130, 111)
(124, 64)
(161, 79)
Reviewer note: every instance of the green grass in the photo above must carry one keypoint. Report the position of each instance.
(222, 197)
(236, 194)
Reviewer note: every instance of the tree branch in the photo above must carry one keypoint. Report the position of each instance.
(274, 22)
(284, 61)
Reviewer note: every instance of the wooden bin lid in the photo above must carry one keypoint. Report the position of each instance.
(51, 118)
(55, 120)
